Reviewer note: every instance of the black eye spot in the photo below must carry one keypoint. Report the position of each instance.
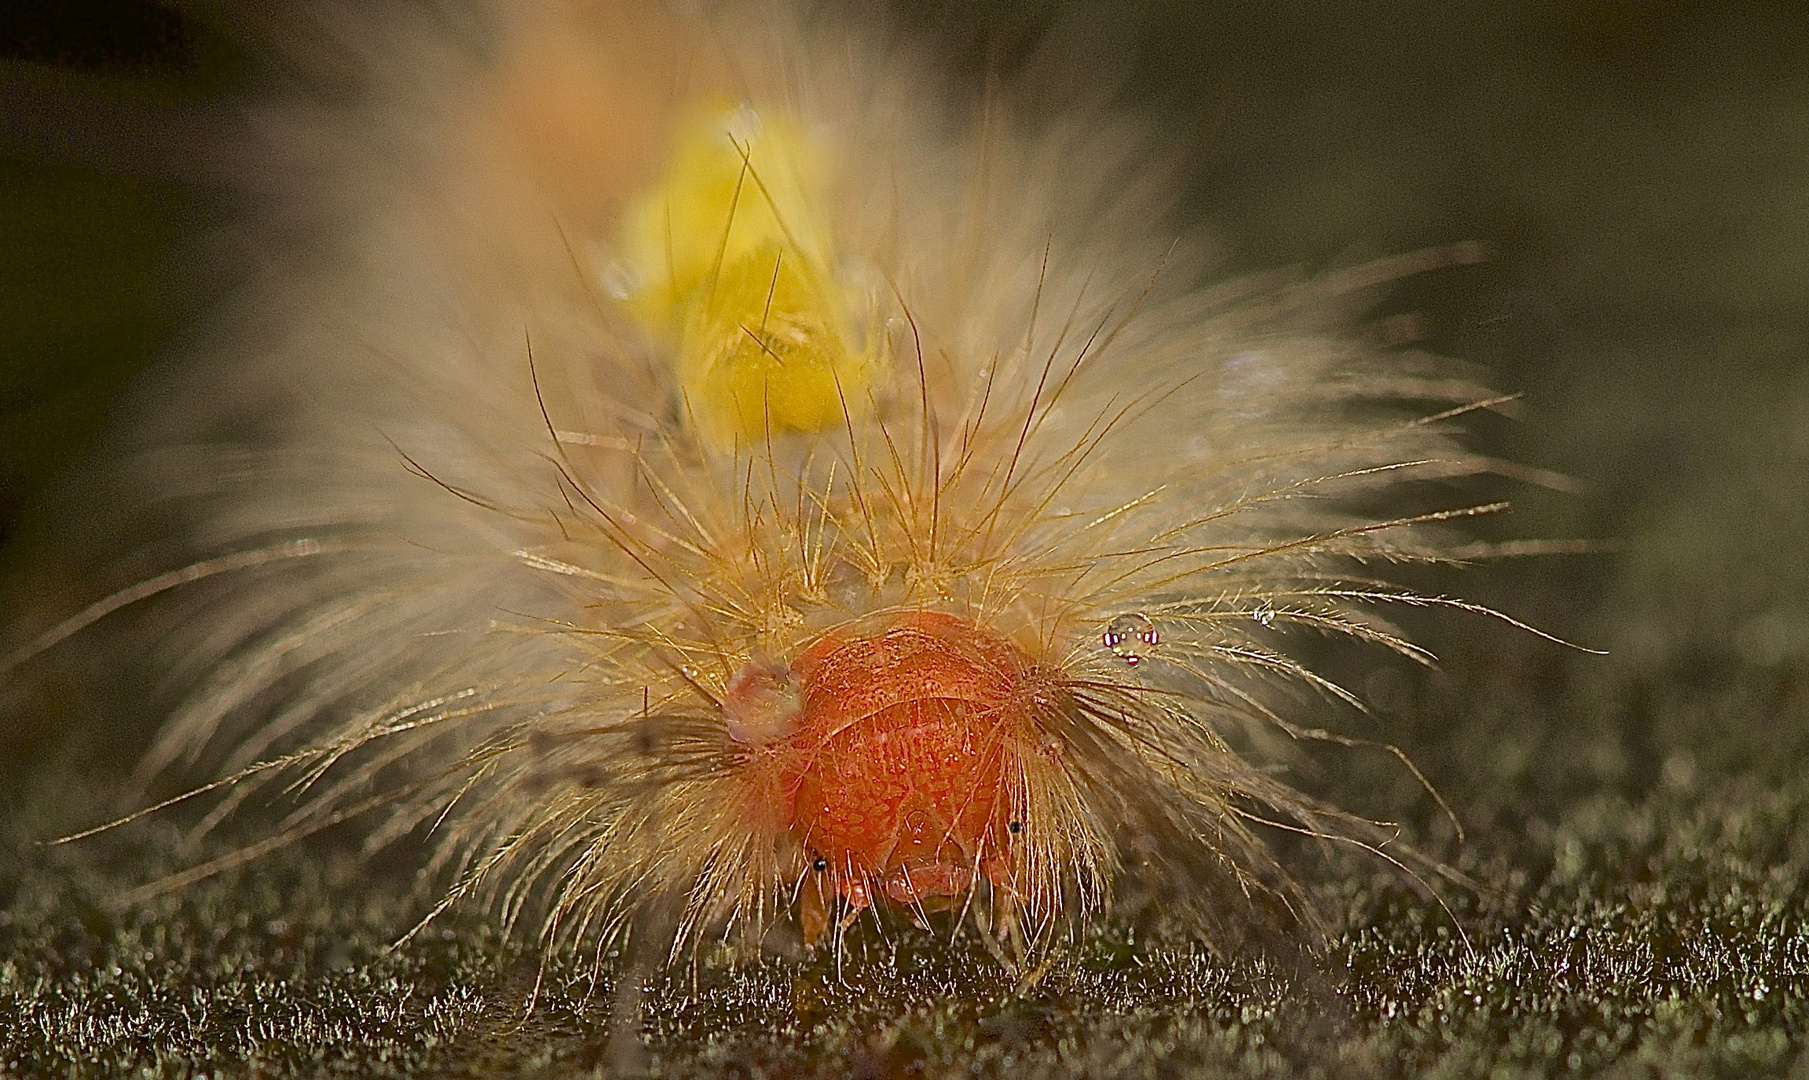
(819, 864)
(1016, 827)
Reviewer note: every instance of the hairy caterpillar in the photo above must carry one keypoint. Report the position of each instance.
(705, 485)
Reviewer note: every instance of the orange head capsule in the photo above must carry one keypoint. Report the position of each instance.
(902, 775)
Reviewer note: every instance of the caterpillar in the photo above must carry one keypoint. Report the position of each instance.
(708, 485)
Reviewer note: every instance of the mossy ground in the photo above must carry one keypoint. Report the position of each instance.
(1639, 822)
(1665, 938)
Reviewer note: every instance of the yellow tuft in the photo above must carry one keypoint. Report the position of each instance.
(727, 264)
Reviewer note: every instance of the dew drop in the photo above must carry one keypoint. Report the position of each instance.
(1264, 614)
(1131, 637)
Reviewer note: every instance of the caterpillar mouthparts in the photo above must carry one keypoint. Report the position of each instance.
(703, 482)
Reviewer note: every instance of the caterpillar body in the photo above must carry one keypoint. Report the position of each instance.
(706, 484)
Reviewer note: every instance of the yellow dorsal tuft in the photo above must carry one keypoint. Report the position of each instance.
(729, 265)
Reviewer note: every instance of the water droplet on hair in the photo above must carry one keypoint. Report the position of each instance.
(1264, 614)
(1131, 637)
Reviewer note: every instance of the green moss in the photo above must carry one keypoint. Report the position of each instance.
(1668, 934)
